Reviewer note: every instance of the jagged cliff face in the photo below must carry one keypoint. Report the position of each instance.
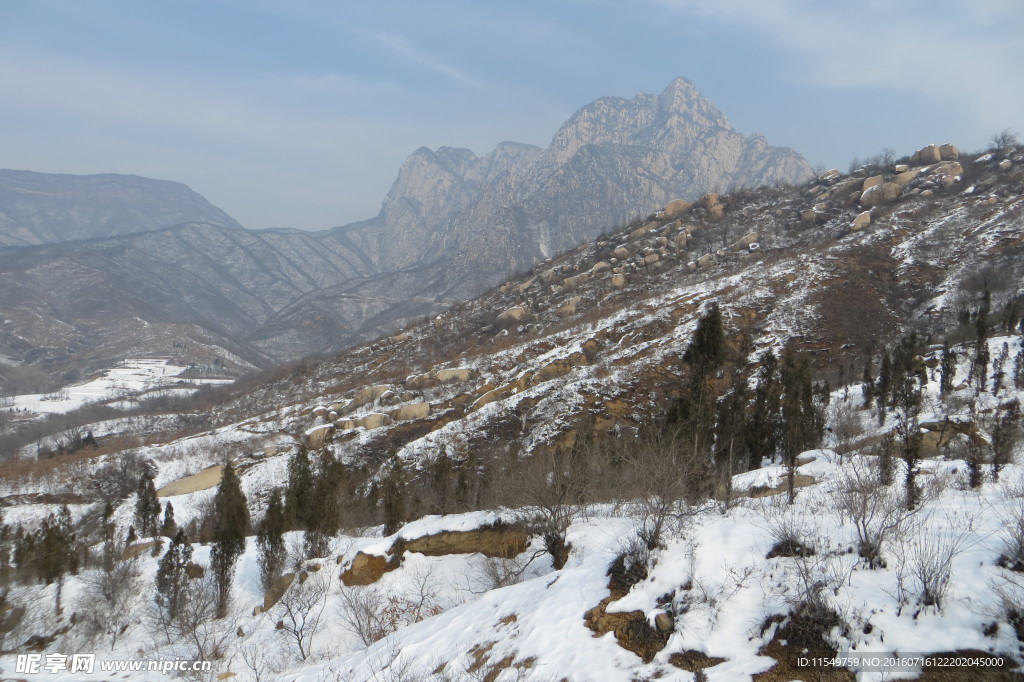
(611, 161)
(42, 208)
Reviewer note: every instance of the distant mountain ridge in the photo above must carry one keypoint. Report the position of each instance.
(164, 272)
(611, 161)
(45, 208)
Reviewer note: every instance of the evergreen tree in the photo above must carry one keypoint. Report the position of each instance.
(393, 496)
(172, 574)
(706, 350)
(764, 426)
(948, 369)
(55, 551)
(868, 380)
(168, 527)
(1018, 368)
(298, 496)
(802, 416)
(270, 541)
(147, 506)
(230, 525)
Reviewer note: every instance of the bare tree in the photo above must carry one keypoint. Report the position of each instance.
(302, 609)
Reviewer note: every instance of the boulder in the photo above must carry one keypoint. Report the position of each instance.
(745, 241)
(418, 382)
(569, 308)
(947, 172)
(576, 280)
(411, 412)
(705, 260)
(600, 266)
(927, 155)
(375, 420)
(830, 176)
(948, 152)
(1005, 165)
(677, 208)
(452, 376)
(862, 220)
(618, 281)
(513, 314)
(903, 179)
(901, 167)
(885, 193)
(808, 217)
(708, 200)
(318, 437)
(716, 212)
(622, 253)
(682, 239)
(871, 182)
(368, 395)
(651, 259)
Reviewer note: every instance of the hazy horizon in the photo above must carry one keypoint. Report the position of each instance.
(300, 116)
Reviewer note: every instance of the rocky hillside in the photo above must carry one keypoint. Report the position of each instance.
(610, 162)
(45, 208)
(508, 447)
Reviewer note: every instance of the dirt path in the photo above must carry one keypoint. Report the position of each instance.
(205, 479)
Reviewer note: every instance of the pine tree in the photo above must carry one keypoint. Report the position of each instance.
(948, 369)
(172, 575)
(147, 506)
(764, 426)
(706, 350)
(230, 525)
(270, 541)
(802, 417)
(868, 380)
(298, 496)
(393, 496)
(55, 551)
(168, 527)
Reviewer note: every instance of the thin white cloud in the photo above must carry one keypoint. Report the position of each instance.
(966, 54)
(425, 60)
(344, 85)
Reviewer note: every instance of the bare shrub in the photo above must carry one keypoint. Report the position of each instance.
(301, 608)
(107, 600)
(371, 613)
(874, 510)
(1012, 555)
(925, 558)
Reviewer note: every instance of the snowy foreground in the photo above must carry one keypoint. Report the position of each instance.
(940, 590)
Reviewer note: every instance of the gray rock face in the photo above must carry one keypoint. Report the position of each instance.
(43, 208)
(611, 161)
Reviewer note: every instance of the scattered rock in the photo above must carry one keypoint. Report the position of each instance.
(884, 193)
(871, 182)
(677, 208)
(830, 176)
(862, 220)
(411, 412)
(512, 314)
(903, 179)
(926, 155)
(452, 376)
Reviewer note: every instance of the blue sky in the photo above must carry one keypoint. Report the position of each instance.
(300, 113)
